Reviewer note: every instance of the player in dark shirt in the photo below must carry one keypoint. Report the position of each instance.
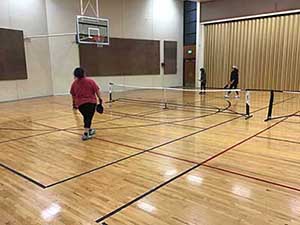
(234, 81)
(202, 80)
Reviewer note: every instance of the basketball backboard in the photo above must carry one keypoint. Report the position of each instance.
(92, 30)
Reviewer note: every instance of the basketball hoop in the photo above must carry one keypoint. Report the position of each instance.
(98, 38)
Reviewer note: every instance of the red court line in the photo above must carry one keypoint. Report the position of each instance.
(243, 141)
(229, 171)
(156, 188)
(254, 178)
(279, 139)
(173, 157)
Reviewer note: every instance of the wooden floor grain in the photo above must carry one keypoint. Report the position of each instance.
(201, 165)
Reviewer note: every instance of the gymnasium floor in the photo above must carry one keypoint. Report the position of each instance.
(149, 165)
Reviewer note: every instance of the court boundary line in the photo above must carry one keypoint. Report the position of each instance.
(108, 141)
(147, 150)
(177, 121)
(22, 175)
(154, 189)
(254, 178)
(279, 139)
(30, 136)
(113, 119)
(23, 129)
(228, 171)
(138, 153)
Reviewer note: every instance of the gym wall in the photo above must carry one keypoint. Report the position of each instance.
(50, 61)
(224, 9)
(129, 19)
(267, 51)
(29, 16)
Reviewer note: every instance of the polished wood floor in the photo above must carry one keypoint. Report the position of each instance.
(201, 165)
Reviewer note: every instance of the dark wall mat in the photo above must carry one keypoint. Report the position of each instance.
(224, 9)
(121, 57)
(12, 55)
(170, 57)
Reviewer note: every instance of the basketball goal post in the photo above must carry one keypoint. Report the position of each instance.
(89, 29)
(85, 4)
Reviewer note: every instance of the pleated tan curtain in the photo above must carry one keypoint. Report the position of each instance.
(266, 50)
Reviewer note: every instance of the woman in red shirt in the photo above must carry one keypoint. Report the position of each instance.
(84, 92)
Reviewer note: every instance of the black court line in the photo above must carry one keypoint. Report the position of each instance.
(145, 118)
(181, 174)
(19, 173)
(229, 171)
(23, 176)
(143, 151)
(118, 118)
(174, 108)
(108, 141)
(171, 122)
(30, 136)
(51, 185)
(155, 124)
(23, 129)
(158, 122)
(279, 139)
(55, 128)
(139, 153)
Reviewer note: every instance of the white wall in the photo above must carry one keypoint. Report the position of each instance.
(29, 16)
(142, 19)
(50, 61)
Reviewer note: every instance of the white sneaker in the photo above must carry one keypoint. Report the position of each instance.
(86, 137)
(226, 96)
(237, 96)
(92, 132)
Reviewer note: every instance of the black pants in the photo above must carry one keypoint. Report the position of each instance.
(87, 110)
(233, 86)
(203, 86)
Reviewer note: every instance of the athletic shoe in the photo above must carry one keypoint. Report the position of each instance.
(237, 96)
(226, 96)
(86, 136)
(92, 132)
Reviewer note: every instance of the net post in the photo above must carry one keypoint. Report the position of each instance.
(248, 114)
(110, 92)
(270, 106)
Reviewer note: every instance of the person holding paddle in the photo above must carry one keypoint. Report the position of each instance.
(84, 91)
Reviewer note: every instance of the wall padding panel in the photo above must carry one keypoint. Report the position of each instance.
(170, 57)
(121, 57)
(12, 55)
